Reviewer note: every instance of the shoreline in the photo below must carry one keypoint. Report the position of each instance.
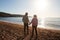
(39, 26)
(19, 25)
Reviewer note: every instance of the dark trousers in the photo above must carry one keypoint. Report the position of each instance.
(34, 28)
(26, 29)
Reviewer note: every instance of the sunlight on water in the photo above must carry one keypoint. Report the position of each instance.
(42, 23)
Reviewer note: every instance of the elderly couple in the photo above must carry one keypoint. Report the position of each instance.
(26, 22)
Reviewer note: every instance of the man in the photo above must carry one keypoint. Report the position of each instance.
(25, 21)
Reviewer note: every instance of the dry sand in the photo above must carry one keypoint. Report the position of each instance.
(9, 31)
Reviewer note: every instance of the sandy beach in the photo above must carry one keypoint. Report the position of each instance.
(9, 31)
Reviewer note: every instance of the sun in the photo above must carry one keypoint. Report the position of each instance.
(40, 7)
(40, 4)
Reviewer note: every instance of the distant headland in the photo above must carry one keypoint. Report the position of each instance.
(4, 14)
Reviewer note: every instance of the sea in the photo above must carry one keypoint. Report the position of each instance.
(47, 23)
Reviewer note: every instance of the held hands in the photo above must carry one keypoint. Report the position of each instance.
(29, 23)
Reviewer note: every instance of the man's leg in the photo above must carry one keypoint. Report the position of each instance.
(24, 29)
(27, 29)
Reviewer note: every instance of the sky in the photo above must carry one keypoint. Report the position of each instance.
(42, 8)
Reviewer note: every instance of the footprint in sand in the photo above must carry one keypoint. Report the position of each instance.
(28, 37)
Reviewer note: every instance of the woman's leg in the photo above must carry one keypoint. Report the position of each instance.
(32, 32)
(36, 30)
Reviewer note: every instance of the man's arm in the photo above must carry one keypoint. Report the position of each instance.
(23, 19)
(27, 19)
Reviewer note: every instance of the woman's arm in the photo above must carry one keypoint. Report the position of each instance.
(31, 22)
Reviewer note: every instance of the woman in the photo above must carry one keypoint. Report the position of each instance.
(34, 23)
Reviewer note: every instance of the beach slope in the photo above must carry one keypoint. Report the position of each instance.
(9, 31)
